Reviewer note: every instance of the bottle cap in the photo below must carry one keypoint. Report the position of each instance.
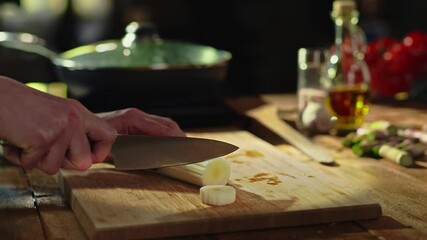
(344, 6)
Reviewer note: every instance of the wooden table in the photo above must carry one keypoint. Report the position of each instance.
(31, 206)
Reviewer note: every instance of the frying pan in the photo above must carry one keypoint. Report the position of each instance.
(140, 70)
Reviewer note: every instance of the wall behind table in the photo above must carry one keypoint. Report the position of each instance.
(263, 36)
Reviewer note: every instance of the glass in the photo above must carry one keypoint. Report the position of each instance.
(346, 77)
(312, 117)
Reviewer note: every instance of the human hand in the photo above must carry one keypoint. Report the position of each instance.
(50, 132)
(134, 121)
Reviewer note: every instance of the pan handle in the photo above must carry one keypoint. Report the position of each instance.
(140, 31)
(26, 42)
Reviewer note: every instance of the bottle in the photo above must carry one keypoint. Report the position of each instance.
(346, 76)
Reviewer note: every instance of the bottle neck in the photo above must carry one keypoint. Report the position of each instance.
(346, 65)
(348, 36)
(344, 28)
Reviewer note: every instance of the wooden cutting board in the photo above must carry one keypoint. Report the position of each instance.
(273, 190)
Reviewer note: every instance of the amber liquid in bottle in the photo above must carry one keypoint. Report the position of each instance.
(349, 104)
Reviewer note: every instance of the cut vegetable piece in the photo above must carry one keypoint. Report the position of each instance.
(216, 171)
(218, 195)
(396, 155)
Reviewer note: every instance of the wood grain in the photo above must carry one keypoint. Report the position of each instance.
(18, 214)
(399, 190)
(267, 115)
(273, 190)
(58, 221)
(42, 184)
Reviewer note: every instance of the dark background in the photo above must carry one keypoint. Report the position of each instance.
(263, 36)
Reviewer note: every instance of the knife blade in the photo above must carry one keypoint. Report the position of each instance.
(147, 152)
(267, 115)
(131, 152)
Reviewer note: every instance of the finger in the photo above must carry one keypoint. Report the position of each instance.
(31, 158)
(79, 153)
(102, 137)
(139, 122)
(26, 158)
(13, 155)
(67, 164)
(168, 126)
(154, 125)
(56, 154)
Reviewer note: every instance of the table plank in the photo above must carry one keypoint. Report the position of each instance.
(42, 184)
(382, 228)
(18, 216)
(336, 231)
(390, 229)
(59, 221)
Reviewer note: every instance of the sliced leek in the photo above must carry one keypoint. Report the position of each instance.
(396, 155)
(216, 171)
(218, 195)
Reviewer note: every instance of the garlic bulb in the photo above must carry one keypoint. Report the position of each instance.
(316, 118)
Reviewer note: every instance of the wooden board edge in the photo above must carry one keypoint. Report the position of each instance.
(251, 223)
(84, 220)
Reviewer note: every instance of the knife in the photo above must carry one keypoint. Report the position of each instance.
(147, 152)
(267, 115)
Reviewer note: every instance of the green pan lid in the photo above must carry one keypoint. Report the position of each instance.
(141, 48)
